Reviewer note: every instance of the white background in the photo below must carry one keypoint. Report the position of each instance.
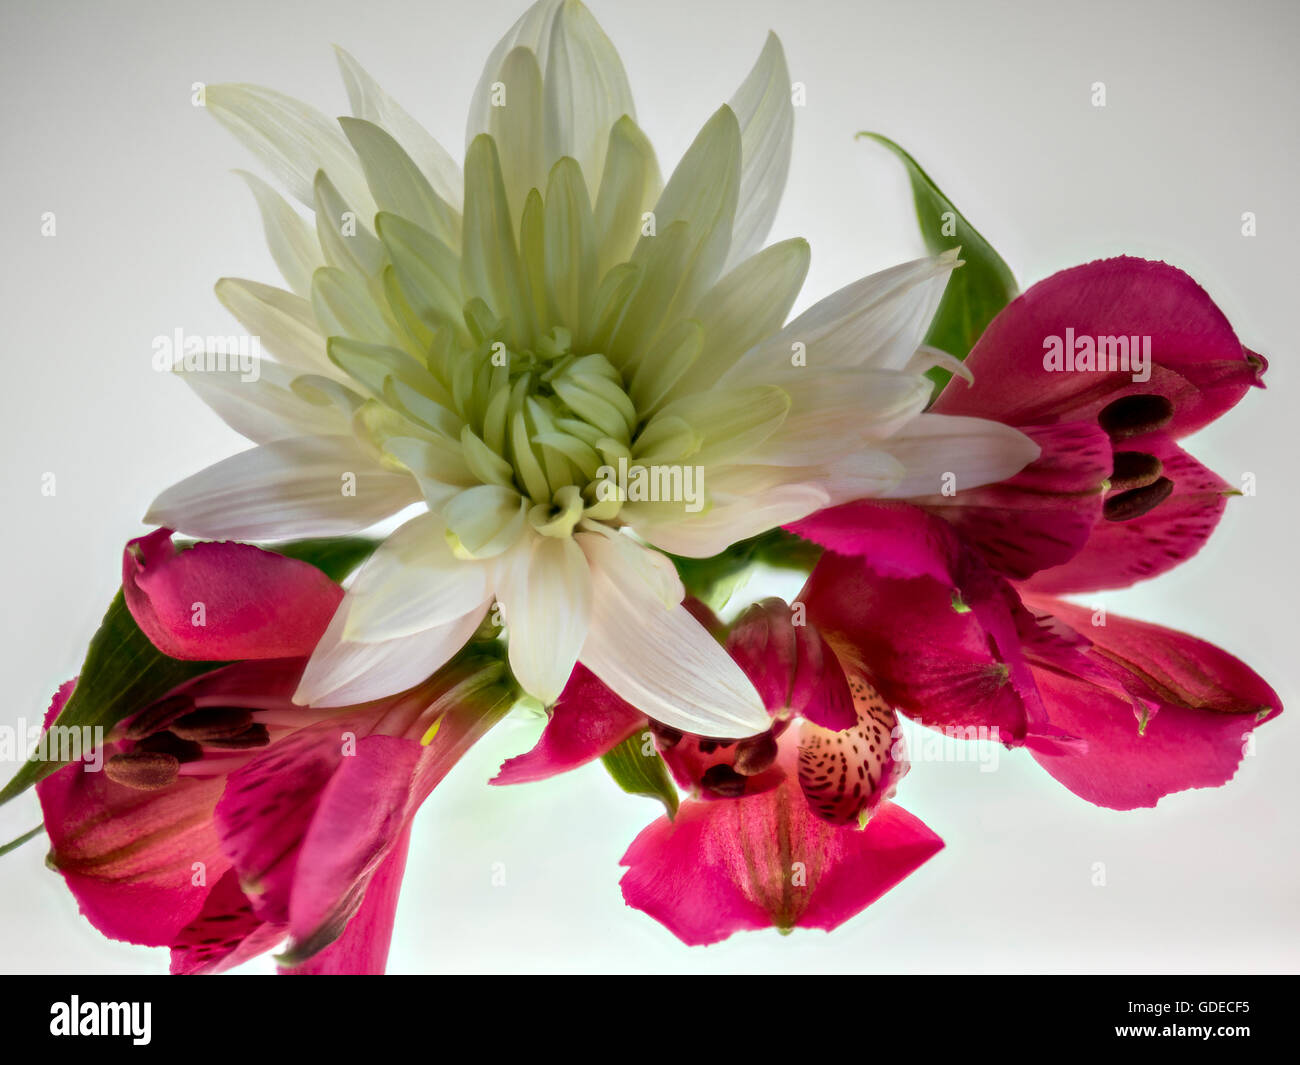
(994, 99)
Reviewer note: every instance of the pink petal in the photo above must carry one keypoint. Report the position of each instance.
(1199, 364)
(140, 863)
(362, 949)
(587, 721)
(255, 603)
(791, 664)
(1123, 769)
(1043, 515)
(766, 860)
(1174, 668)
(846, 773)
(1120, 553)
(224, 935)
(934, 630)
(268, 805)
(363, 814)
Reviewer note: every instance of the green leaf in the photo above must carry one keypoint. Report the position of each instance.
(977, 290)
(713, 580)
(123, 671)
(641, 774)
(14, 844)
(335, 556)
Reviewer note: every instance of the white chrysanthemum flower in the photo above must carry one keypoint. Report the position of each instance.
(492, 347)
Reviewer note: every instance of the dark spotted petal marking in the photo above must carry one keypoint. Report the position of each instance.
(845, 773)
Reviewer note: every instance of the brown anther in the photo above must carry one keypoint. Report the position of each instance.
(157, 717)
(1134, 469)
(723, 781)
(666, 737)
(165, 743)
(1135, 415)
(253, 736)
(212, 723)
(142, 770)
(1133, 504)
(755, 755)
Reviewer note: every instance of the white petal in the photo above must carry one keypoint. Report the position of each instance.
(584, 86)
(662, 660)
(730, 519)
(396, 183)
(293, 141)
(974, 451)
(544, 587)
(838, 411)
(268, 408)
(629, 186)
(411, 583)
(530, 31)
(343, 306)
(294, 487)
(284, 322)
(878, 322)
(586, 91)
(486, 519)
(293, 244)
(341, 673)
(372, 103)
(766, 114)
(744, 308)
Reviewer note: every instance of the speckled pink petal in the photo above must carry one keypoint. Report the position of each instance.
(1120, 553)
(850, 772)
(766, 860)
(933, 629)
(225, 934)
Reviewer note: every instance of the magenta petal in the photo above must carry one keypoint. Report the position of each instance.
(268, 805)
(791, 664)
(362, 949)
(766, 860)
(1120, 553)
(363, 811)
(140, 863)
(1124, 769)
(253, 603)
(1199, 364)
(934, 629)
(1173, 668)
(224, 935)
(587, 721)
(1043, 515)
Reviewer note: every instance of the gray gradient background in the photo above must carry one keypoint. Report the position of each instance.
(1200, 126)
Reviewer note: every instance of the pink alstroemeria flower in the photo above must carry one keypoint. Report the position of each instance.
(956, 620)
(773, 835)
(226, 818)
